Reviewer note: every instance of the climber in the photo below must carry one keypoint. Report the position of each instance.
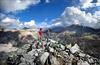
(40, 33)
(49, 33)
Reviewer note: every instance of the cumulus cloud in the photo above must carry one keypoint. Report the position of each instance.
(14, 5)
(58, 23)
(30, 24)
(88, 3)
(74, 15)
(7, 22)
(97, 13)
(98, 3)
(13, 23)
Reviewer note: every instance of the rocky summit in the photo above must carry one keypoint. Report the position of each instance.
(48, 51)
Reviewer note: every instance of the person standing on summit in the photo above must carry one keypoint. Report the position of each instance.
(40, 33)
(40, 36)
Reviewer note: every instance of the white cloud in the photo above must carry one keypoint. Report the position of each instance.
(30, 24)
(57, 24)
(73, 15)
(88, 3)
(97, 13)
(76, 22)
(98, 3)
(14, 5)
(13, 23)
(9, 22)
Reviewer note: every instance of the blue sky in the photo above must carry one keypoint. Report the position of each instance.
(40, 10)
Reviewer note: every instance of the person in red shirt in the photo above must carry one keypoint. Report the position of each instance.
(40, 33)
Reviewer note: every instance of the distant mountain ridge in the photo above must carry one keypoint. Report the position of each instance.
(77, 28)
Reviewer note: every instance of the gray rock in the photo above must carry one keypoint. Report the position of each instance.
(22, 64)
(82, 54)
(54, 61)
(44, 57)
(75, 48)
(83, 63)
(51, 49)
(90, 60)
(62, 47)
(26, 46)
(54, 53)
(21, 51)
